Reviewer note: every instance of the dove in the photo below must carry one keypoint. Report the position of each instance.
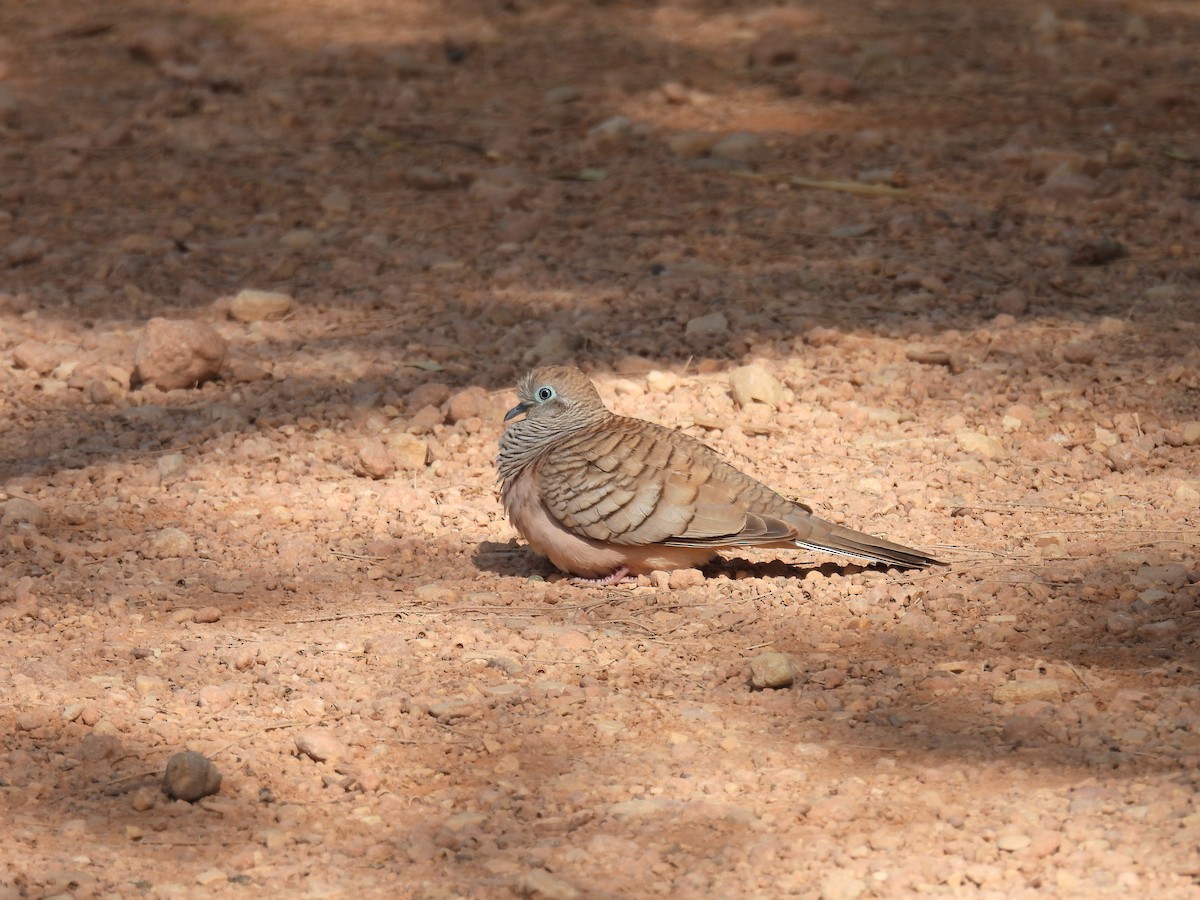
(605, 497)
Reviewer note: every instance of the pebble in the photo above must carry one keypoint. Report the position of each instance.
(842, 884)
(189, 776)
(171, 542)
(1159, 631)
(774, 48)
(679, 579)
(320, 744)
(1012, 842)
(426, 178)
(408, 452)
(25, 250)
(1125, 456)
(611, 134)
(707, 326)
(1081, 353)
(175, 354)
(252, 305)
(207, 615)
(1012, 302)
(691, 144)
(1026, 691)
(16, 510)
(742, 146)
(817, 83)
(36, 356)
(754, 383)
(540, 883)
(374, 459)
(661, 382)
(466, 404)
(1120, 623)
(772, 670)
(980, 444)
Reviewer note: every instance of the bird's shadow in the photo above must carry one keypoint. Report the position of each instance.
(515, 559)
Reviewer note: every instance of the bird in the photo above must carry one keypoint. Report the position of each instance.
(607, 497)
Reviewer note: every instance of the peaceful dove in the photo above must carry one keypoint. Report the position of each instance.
(604, 496)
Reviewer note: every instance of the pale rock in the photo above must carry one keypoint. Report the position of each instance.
(17, 510)
(469, 403)
(189, 776)
(1159, 631)
(374, 459)
(1025, 691)
(661, 382)
(742, 146)
(842, 884)
(772, 670)
(685, 578)
(408, 452)
(751, 383)
(980, 444)
(1125, 455)
(36, 356)
(613, 133)
(320, 745)
(252, 305)
(707, 326)
(178, 354)
(171, 543)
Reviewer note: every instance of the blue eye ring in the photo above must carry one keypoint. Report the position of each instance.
(545, 393)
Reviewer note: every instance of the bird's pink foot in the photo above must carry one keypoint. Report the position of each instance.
(617, 576)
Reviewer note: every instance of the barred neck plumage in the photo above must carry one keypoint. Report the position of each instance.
(525, 441)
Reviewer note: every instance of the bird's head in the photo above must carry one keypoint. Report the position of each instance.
(557, 394)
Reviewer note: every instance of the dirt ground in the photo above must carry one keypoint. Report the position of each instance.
(961, 240)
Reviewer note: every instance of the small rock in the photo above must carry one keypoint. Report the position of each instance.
(16, 510)
(1125, 456)
(540, 883)
(1024, 731)
(145, 798)
(562, 94)
(374, 460)
(170, 543)
(1189, 433)
(842, 884)
(772, 670)
(337, 203)
(552, 346)
(661, 382)
(1159, 631)
(611, 134)
(774, 48)
(680, 579)
(408, 452)
(1096, 253)
(1013, 842)
(298, 239)
(1025, 691)
(320, 744)
(742, 146)
(431, 393)
(750, 383)
(1081, 353)
(815, 83)
(1013, 302)
(36, 356)
(980, 444)
(425, 178)
(467, 404)
(190, 776)
(707, 326)
(207, 615)
(25, 250)
(1124, 154)
(1186, 495)
(1120, 623)
(178, 354)
(260, 306)
(1065, 183)
(691, 144)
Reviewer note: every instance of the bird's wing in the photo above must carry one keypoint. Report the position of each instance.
(635, 483)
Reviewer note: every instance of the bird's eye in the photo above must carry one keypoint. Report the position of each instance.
(545, 393)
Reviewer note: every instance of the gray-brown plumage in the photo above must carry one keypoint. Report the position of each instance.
(604, 495)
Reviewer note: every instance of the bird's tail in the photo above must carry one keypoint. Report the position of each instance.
(826, 536)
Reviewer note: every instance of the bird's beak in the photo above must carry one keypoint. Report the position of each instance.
(519, 409)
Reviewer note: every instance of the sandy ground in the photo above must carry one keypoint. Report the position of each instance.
(961, 239)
